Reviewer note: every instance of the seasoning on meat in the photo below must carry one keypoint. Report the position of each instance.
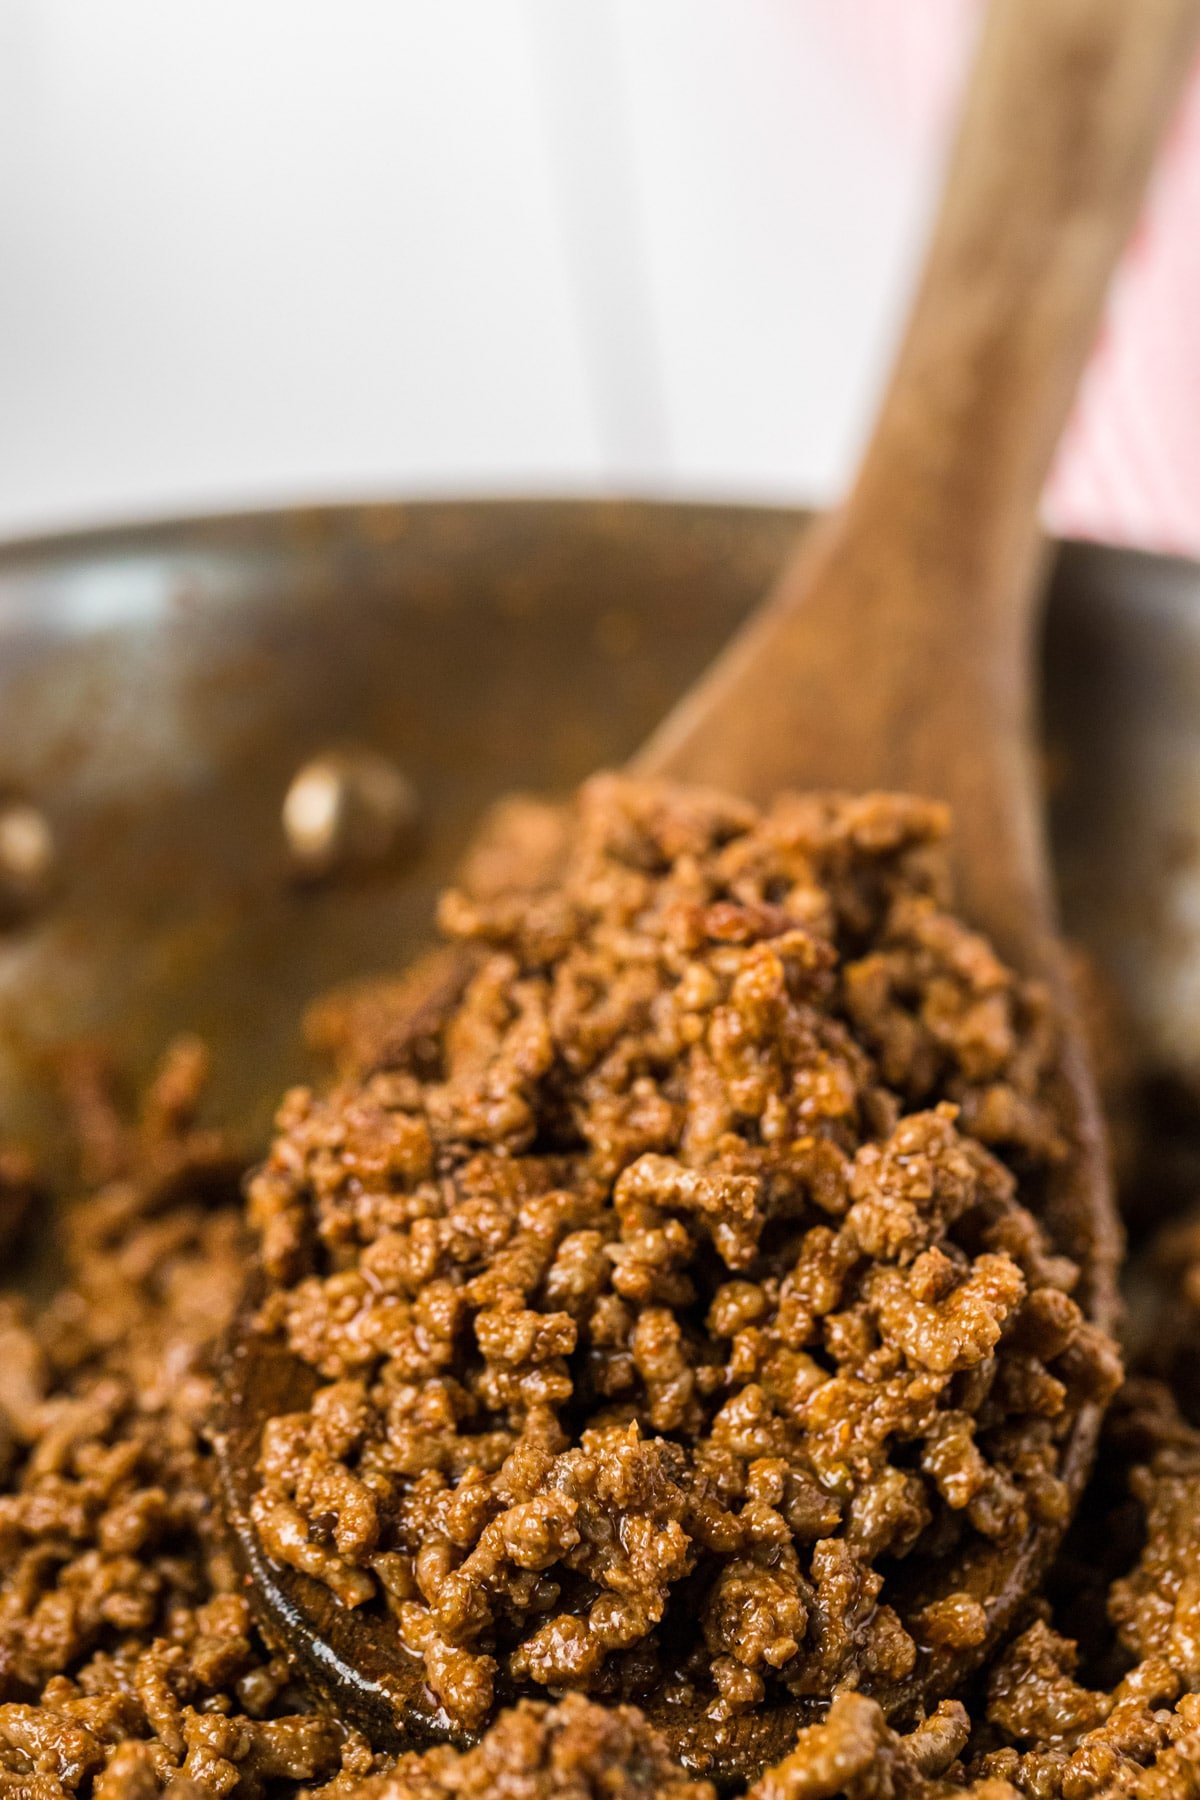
(128, 1660)
(575, 1272)
(1064, 1734)
(684, 1280)
(536, 1751)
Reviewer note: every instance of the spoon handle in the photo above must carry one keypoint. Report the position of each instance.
(1062, 120)
(895, 650)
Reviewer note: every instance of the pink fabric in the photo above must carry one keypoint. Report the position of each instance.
(1128, 470)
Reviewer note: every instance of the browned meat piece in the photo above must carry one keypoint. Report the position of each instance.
(686, 1274)
(684, 1287)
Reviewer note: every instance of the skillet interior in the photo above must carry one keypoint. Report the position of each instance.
(160, 684)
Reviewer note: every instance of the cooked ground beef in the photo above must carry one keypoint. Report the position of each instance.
(679, 1281)
(1042, 1733)
(1116, 1709)
(468, 1237)
(128, 1661)
(575, 1750)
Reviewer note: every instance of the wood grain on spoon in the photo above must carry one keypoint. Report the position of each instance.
(896, 651)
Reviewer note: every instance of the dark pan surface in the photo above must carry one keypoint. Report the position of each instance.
(159, 687)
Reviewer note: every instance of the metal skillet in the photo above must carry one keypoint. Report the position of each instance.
(161, 683)
(515, 607)
(891, 653)
(174, 909)
(171, 935)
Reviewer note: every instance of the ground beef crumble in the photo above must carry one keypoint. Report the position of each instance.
(682, 1272)
(128, 1661)
(535, 1265)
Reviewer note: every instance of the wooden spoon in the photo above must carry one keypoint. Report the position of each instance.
(896, 652)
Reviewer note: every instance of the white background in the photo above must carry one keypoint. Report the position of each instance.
(266, 250)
